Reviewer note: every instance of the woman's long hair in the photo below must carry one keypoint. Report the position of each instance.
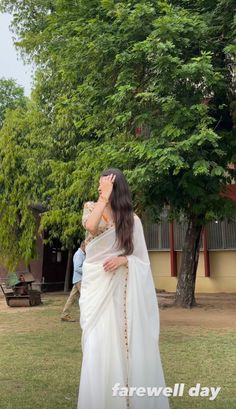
(122, 208)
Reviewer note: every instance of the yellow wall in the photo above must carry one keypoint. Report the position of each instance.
(222, 270)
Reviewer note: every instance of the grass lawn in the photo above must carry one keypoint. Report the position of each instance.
(41, 358)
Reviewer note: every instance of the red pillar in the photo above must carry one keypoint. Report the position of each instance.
(206, 254)
(173, 259)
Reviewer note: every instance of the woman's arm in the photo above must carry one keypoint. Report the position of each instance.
(95, 216)
(123, 261)
(105, 189)
(113, 263)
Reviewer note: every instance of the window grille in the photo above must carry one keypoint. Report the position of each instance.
(221, 235)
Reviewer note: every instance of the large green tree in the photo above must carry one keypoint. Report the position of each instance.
(11, 97)
(17, 189)
(146, 86)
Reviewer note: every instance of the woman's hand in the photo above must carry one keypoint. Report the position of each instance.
(113, 263)
(106, 185)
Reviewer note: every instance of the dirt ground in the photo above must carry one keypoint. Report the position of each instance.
(214, 311)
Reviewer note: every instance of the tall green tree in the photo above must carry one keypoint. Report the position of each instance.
(146, 86)
(11, 97)
(17, 190)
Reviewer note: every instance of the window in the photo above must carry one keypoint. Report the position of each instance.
(221, 235)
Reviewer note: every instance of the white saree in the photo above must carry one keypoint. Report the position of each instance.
(119, 317)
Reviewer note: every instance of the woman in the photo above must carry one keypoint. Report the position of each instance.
(118, 306)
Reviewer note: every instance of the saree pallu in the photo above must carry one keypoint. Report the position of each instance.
(119, 317)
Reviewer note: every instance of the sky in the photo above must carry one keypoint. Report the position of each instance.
(11, 64)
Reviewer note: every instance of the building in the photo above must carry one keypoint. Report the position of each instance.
(48, 268)
(217, 261)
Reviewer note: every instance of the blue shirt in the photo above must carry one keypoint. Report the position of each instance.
(78, 260)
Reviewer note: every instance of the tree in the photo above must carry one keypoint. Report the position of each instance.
(142, 85)
(11, 97)
(17, 190)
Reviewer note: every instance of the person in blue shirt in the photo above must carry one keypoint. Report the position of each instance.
(78, 260)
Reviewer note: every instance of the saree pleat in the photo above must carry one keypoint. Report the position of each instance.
(119, 318)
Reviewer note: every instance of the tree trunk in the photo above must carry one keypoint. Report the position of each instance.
(184, 296)
(68, 270)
